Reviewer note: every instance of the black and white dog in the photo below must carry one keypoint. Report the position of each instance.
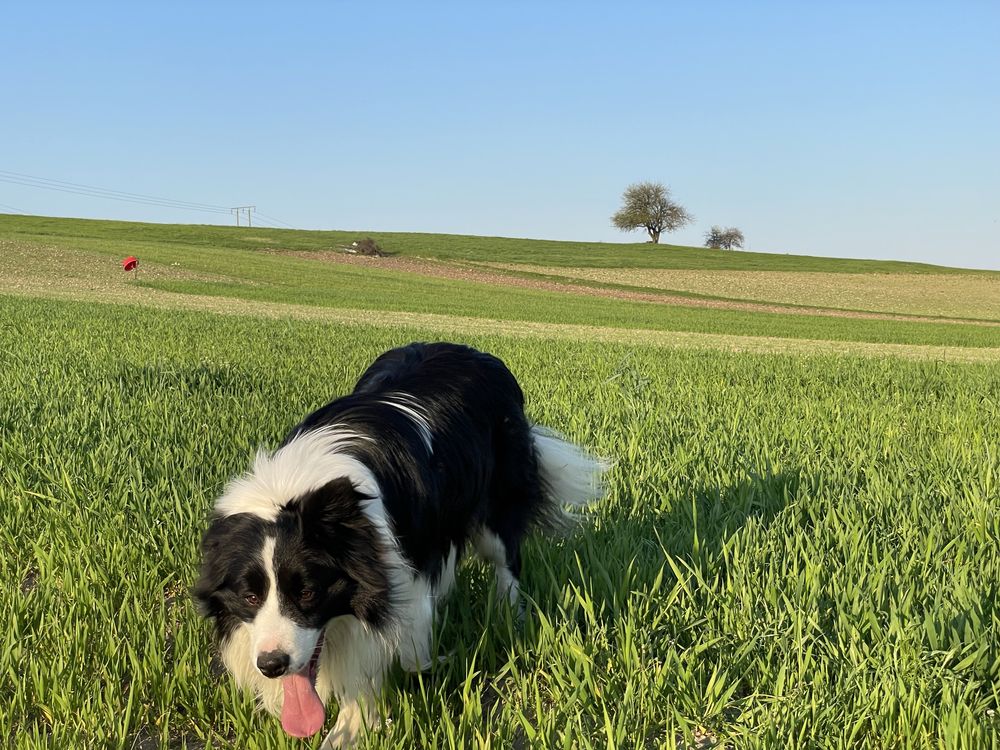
(325, 562)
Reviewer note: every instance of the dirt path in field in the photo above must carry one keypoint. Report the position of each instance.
(484, 275)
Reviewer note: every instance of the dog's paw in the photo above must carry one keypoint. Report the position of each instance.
(352, 721)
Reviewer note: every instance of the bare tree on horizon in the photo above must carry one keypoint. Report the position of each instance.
(724, 239)
(648, 205)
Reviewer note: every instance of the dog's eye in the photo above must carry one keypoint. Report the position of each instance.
(307, 595)
(252, 599)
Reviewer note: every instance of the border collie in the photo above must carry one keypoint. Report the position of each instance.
(324, 563)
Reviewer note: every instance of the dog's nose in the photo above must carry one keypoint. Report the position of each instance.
(272, 663)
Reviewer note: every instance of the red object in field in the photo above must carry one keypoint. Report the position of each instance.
(130, 263)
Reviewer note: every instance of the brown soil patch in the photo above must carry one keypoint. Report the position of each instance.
(487, 275)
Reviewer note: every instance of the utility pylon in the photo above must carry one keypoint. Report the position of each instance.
(238, 209)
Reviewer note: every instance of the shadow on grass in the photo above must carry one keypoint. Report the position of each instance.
(608, 561)
(625, 551)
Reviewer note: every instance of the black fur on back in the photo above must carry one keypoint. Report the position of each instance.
(482, 469)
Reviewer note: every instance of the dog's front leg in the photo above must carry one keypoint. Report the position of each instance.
(355, 661)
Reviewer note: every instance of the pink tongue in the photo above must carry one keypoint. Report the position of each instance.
(302, 713)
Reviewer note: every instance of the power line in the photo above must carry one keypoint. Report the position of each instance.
(111, 196)
(12, 208)
(259, 222)
(92, 191)
(92, 194)
(266, 223)
(107, 191)
(276, 221)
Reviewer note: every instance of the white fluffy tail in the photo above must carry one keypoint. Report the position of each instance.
(572, 477)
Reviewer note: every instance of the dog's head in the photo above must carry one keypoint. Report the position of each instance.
(283, 576)
(272, 578)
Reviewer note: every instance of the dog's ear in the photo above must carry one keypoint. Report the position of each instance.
(332, 516)
(213, 573)
(326, 511)
(216, 545)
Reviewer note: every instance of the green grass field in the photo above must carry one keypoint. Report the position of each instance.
(446, 246)
(225, 263)
(796, 551)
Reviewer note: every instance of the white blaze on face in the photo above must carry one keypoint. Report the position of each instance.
(273, 631)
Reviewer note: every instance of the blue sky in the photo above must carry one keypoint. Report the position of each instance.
(847, 129)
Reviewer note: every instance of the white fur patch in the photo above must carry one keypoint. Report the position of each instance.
(352, 666)
(415, 638)
(307, 463)
(571, 475)
(239, 657)
(490, 548)
(414, 411)
(447, 580)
